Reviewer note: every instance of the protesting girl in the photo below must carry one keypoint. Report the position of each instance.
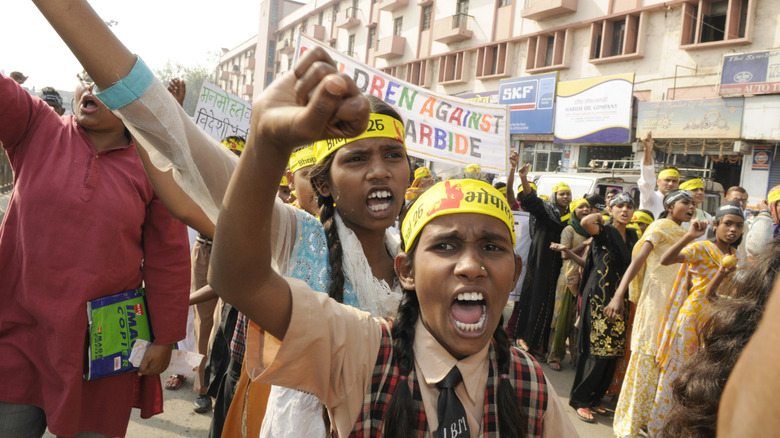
(602, 339)
(704, 264)
(533, 312)
(457, 271)
(639, 384)
(573, 239)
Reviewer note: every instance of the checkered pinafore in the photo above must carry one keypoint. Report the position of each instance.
(525, 374)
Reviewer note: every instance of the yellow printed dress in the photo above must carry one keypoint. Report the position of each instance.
(639, 385)
(679, 339)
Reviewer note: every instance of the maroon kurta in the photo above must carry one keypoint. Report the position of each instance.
(80, 225)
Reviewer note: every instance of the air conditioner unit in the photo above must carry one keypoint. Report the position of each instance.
(742, 147)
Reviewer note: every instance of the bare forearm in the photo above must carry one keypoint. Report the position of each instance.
(672, 255)
(571, 255)
(104, 57)
(241, 271)
(510, 182)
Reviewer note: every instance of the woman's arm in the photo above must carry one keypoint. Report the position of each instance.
(567, 253)
(99, 51)
(181, 206)
(672, 255)
(310, 103)
(202, 295)
(615, 306)
(510, 180)
(591, 222)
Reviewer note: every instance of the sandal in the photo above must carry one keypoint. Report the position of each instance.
(601, 410)
(174, 382)
(585, 415)
(554, 365)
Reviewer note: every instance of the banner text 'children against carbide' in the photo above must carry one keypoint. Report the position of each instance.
(417, 129)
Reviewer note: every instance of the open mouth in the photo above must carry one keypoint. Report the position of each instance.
(469, 312)
(379, 201)
(89, 104)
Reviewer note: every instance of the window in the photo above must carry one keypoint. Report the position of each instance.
(547, 52)
(269, 77)
(371, 37)
(398, 26)
(713, 21)
(355, 5)
(416, 73)
(271, 53)
(335, 12)
(426, 17)
(491, 60)
(351, 45)
(289, 63)
(617, 36)
(461, 16)
(544, 157)
(304, 25)
(320, 18)
(451, 67)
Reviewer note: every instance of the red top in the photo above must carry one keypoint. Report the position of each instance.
(80, 225)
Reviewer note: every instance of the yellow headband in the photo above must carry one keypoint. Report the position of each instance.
(577, 202)
(422, 172)
(773, 196)
(641, 216)
(502, 190)
(284, 182)
(545, 197)
(456, 196)
(669, 172)
(533, 186)
(379, 125)
(233, 144)
(561, 186)
(473, 168)
(692, 184)
(303, 157)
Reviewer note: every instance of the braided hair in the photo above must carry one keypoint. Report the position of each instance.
(321, 172)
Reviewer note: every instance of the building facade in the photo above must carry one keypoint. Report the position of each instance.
(467, 47)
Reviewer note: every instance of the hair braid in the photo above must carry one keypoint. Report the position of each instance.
(335, 252)
(511, 418)
(399, 420)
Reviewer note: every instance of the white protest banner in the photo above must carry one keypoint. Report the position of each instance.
(441, 128)
(222, 114)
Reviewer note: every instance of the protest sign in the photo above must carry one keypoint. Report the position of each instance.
(222, 114)
(438, 127)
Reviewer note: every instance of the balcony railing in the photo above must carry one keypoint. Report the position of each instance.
(544, 9)
(348, 18)
(453, 28)
(316, 31)
(390, 47)
(391, 5)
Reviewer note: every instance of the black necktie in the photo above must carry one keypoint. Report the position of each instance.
(452, 416)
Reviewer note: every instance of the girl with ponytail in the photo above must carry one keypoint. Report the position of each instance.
(379, 377)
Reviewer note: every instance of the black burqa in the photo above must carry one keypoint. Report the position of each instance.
(537, 297)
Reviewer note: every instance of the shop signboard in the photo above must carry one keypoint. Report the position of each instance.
(761, 156)
(438, 127)
(750, 73)
(482, 97)
(594, 110)
(759, 118)
(704, 118)
(530, 101)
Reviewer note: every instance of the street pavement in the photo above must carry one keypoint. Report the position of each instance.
(179, 420)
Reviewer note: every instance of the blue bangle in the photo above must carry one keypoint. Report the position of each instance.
(129, 88)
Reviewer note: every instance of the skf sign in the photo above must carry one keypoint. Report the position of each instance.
(530, 101)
